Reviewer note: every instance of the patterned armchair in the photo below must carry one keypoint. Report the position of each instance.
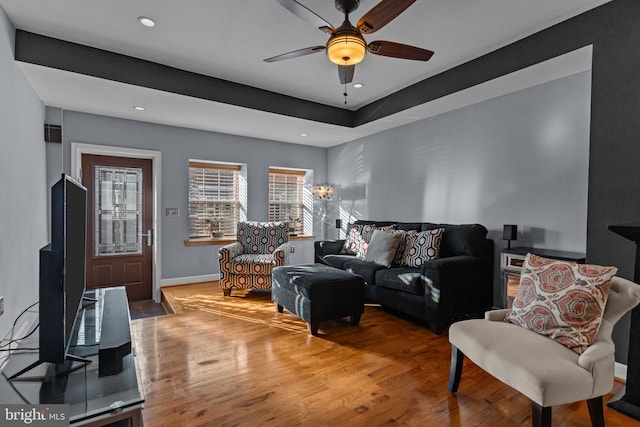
(247, 263)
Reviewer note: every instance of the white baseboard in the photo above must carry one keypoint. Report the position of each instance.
(190, 279)
(621, 371)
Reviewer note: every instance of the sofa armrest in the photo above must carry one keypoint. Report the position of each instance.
(496, 315)
(462, 286)
(327, 247)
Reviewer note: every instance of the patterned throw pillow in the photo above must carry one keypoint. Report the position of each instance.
(354, 240)
(418, 247)
(359, 237)
(562, 300)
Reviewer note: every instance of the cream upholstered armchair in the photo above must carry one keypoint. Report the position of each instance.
(247, 263)
(542, 369)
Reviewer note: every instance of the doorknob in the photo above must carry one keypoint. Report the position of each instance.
(148, 236)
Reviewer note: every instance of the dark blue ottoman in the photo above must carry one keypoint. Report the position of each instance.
(317, 292)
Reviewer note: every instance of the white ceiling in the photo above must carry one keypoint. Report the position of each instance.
(228, 39)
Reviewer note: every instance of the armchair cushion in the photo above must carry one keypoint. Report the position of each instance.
(513, 355)
(252, 264)
(262, 237)
(562, 300)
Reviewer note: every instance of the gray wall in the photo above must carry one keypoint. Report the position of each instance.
(178, 145)
(521, 158)
(23, 196)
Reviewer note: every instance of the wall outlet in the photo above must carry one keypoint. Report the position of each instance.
(1, 306)
(293, 249)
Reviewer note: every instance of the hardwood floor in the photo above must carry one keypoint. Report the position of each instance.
(236, 361)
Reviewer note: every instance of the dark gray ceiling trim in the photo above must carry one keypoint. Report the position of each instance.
(546, 44)
(50, 52)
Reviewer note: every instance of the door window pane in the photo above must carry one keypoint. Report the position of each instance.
(118, 216)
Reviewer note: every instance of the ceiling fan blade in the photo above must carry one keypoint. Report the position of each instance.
(345, 73)
(307, 15)
(399, 50)
(295, 53)
(381, 14)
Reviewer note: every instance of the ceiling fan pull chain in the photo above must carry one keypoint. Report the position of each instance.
(345, 82)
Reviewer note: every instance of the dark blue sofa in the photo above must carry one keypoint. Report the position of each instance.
(457, 285)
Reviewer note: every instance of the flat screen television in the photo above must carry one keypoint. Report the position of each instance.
(62, 273)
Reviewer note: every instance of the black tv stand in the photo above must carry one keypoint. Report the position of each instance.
(94, 399)
(87, 301)
(64, 368)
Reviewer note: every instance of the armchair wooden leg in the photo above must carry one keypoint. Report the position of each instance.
(226, 292)
(596, 412)
(457, 357)
(540, 415)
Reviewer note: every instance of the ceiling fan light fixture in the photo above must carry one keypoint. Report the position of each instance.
(346, 49)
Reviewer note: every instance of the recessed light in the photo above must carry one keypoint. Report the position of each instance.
(304, 134)
(138, 108)
(358, 85)
(147, 22)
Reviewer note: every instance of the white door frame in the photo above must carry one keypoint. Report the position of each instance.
(78, 149)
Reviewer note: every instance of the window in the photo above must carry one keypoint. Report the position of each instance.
(286, 198)
(214, 198)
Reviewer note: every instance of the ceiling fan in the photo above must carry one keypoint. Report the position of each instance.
(346, 46)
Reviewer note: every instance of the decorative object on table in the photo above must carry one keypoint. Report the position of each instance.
(509, 233)
(213, 228)
(293, 225)
(629, 403)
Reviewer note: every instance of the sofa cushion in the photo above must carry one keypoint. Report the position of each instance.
(419, 247)
(382, 247)
(363, 268)
(562, 300)
(338, 261)
(402, 279)
(464, 239)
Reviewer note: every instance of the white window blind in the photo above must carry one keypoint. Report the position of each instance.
(214, 194)
(286, 197)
